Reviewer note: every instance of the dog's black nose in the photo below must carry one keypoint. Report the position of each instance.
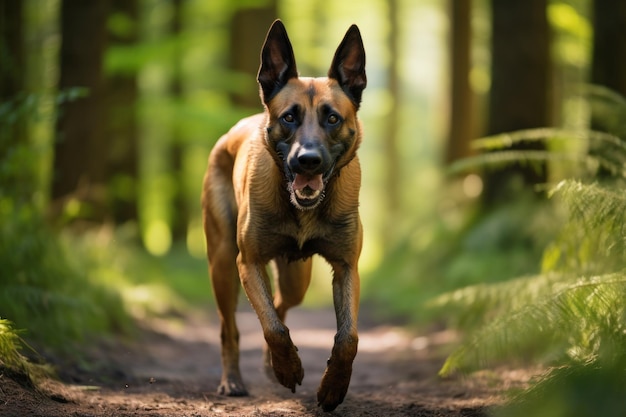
(309, 159)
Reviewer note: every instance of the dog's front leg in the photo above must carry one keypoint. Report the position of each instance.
(284, 356)
(336, 379)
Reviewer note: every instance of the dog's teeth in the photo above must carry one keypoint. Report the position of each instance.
(307, 196)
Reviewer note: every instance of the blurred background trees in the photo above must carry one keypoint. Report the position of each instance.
(109, 108)
(154, 83)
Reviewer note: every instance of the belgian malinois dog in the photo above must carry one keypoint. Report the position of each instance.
(280, 187)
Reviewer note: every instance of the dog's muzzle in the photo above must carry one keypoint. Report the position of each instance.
(307, 174)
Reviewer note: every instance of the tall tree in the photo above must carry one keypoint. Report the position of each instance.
(608, 70)
(11, 49)
(460, 130)
(247, 32)
(609, 45)
(121, 102)
(520, 86)
(12, 63)
(79, 152)
(180, 218)
(391, 147)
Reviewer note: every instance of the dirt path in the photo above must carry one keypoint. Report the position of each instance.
(174, 369)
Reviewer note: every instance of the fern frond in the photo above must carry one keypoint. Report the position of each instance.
(502, 158)
(497, 154)
(10, 344)
(593, 204)
(546, 135)
(480, 302)
(600, 92)
(580, 317)
(594, 238)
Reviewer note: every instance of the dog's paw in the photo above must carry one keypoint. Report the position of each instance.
(333, 388)
(232, 387)
(287, 367)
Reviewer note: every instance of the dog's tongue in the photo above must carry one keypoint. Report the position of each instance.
(314, 182)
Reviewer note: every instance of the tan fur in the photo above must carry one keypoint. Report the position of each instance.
(250, 221)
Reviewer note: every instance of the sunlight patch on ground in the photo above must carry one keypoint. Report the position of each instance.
(316, 333)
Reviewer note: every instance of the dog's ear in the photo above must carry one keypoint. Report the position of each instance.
(278, 64)
(348, 66)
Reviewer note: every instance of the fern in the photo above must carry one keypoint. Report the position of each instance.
(572, 315)
(561, 309)
(579, 320)
(569, 146)
(479, 303)
(12, 360)
(593, 240)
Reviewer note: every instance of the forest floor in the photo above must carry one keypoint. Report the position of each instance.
(172, 368)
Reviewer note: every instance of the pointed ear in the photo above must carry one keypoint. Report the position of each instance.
(348, 66)
(278, 64)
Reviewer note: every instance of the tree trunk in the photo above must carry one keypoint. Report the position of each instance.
(608, 70)
(247, 33)
(609, 45)
(180, 216)
(122, 130)
(520, 87)
(81, 147)
(11, 45)
(460, 131)
(13, 123)
(391, 153)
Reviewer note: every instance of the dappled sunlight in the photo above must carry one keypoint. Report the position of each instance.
(102, 250)
(196, 244)
(158, 237)
(144, 301)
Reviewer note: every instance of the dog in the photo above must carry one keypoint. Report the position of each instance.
(280, 187)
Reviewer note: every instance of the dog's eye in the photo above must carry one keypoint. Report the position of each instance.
(333, 119)
(288, 118)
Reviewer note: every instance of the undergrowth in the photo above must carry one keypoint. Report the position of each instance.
(12, 361)
(43, 292)
(455, 246)
(63, 290)
(571, 314)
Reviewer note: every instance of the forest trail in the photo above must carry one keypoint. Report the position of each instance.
(173, 369)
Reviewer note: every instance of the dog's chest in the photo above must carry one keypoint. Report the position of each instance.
(309, 227)
(302, 237)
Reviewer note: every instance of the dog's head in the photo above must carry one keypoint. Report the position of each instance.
(312, 128)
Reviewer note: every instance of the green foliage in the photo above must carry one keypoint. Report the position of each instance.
(574, 306)
(66, 288)
(563, 146)
(10, 345)
(42, 291)
(459, 247)
(20, 158)
(594, 388)
(11, 358)
(571, 315)
(549, 316)
(593, 240)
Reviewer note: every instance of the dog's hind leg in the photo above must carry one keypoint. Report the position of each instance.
(220, 230)
(226, 285)
(291, 282)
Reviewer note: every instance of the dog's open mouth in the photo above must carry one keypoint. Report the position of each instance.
(307, 190)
